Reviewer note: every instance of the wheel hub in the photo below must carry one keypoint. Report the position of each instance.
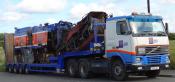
(117, 70)
(26, 70)
(10, 70)
(20, 70)
(71, 70)
(15, 70)
(82, 70)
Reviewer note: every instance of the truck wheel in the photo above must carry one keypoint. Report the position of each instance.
(152, 74)
(118, 70)
(71, 68)
(84, 68)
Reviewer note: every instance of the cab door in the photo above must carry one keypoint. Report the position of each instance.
(123, 36)
(118, 38)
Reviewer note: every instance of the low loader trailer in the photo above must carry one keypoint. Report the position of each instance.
(118, 46)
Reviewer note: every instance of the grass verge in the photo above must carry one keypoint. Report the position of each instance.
(172, 53)
(2, 61)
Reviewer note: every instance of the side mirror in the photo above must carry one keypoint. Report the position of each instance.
(166, 28)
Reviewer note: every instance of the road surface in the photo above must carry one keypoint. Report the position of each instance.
(10, 77)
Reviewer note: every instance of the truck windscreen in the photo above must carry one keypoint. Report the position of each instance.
(147, 28)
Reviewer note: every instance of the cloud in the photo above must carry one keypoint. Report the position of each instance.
(11, 16)
(80, 9)
(168, 1)
(164, 8)
(171, 1)
(41, 6)
(51, 20)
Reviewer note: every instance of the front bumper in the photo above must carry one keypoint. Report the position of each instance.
(133, 68)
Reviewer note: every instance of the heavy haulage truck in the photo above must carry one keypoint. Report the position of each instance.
(118, 46)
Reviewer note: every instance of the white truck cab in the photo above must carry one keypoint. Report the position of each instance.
(139, 41)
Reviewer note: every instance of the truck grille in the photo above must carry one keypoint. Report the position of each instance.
(154, 59)
(156, 50)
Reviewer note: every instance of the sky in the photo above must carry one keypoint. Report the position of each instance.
(23, 13)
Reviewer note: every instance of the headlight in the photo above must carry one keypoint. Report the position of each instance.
(167, 59)
(138, 61)
(141, 51)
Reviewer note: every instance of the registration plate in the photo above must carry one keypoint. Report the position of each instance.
(154, 68)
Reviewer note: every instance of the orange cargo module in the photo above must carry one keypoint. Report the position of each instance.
(20, 41)
(30, 36)
(40, 38)
(21, 37)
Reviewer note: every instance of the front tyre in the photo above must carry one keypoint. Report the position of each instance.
(152, 74)
(118, 70)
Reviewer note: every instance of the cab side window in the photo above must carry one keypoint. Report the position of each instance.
(122, 28)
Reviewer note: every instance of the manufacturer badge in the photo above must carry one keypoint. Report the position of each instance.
(151, 41)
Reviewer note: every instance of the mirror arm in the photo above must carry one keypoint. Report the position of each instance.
(166, 28)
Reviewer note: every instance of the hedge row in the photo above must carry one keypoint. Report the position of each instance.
(172, 36)
(1, 39)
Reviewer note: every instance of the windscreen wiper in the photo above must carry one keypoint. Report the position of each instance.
(160, 33)
(149, 33)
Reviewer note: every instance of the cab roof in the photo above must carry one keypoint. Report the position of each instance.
(136, 17)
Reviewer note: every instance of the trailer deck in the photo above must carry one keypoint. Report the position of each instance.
(53, 66)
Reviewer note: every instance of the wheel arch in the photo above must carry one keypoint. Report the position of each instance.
(113, 58)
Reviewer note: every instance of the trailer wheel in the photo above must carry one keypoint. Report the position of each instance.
(21, 71)
(15, 69)
(26, 70)
(10, 69)
(152, 74)
(71, 68)
(118, 70)
(84, 68)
